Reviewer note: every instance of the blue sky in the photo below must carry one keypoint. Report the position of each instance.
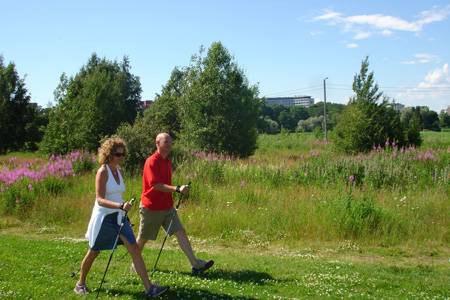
(286, 47)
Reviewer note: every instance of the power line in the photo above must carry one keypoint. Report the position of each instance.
(425, 92)
(381, 87)
(442, 90)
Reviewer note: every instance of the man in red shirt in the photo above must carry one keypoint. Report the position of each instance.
(157, 204)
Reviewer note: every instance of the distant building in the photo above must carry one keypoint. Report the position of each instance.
(305, 101)
(144, 104)
(398, 106)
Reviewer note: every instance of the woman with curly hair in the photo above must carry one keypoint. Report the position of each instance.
(109, 208)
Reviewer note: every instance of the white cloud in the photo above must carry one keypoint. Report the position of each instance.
(366, 25)
(433, 90)
(421, 58)
(329, 15)
(315, 33)
(438, 77)
(386, 32)
(352, 45)
(434, 15)
(362, 35)
(383, 22)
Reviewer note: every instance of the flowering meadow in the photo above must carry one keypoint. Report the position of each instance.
(294, 188)
(21, 182)
(297, 188)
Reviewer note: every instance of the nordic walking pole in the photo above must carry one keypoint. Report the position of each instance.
(114, 247)
(168, 231)
(75, 272)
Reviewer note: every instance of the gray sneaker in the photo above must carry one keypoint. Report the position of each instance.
(204, 266)
(156, 291)
(80, 289)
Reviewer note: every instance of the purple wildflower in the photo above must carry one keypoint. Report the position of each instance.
(351, 179)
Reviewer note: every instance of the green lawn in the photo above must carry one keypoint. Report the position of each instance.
(32, 268)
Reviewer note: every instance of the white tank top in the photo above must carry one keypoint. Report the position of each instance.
(114, 191)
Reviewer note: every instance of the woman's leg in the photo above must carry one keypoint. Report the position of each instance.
(138, 261)
(86, 265)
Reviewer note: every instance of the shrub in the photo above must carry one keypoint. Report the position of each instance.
(219, 109)
(101, 96)
(369, 119)
(140, 139)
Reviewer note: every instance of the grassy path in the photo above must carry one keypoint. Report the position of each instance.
(40, 269)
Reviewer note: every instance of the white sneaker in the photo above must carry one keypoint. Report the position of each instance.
(80, 289)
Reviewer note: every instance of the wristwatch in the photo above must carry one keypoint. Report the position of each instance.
(121, 205)
(178, 189)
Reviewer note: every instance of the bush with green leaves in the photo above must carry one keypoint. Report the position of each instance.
(369, 120)
(310, 124)
(164, 114)
(91, 105)
(444, 119)
(267, 125)
(219, 109)
(140, 140)
(208, 106)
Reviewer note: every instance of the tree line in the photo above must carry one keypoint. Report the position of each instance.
(208, 105)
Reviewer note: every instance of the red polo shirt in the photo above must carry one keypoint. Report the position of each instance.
(156, 170)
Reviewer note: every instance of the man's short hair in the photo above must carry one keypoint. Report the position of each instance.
(162, 135)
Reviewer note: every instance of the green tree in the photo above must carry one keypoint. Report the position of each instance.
(17, 114)
(164, 114)
(219, 108)
(333, 111)
(267, 125)
(413, 127)
(286, 117)
(287, 120)
(91, 105)
(267, 110)
(369, 119)
(35, 128)
(430, 119)
(444, 119)
(140, 139)
(310, 124)
(269, 117)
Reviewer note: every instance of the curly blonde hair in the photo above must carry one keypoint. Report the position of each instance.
(109, 147)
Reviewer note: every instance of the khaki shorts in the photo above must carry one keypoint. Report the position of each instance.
(152, 220)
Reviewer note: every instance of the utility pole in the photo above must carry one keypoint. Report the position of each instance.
(325, 108)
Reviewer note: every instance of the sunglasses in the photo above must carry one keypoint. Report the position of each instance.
(119, 154)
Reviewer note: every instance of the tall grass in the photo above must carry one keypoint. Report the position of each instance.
(295, 189)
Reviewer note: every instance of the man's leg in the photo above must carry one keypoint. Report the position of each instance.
(185, 245)
(149, 223)
(198, 266)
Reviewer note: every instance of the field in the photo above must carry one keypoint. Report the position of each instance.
(295, 220)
